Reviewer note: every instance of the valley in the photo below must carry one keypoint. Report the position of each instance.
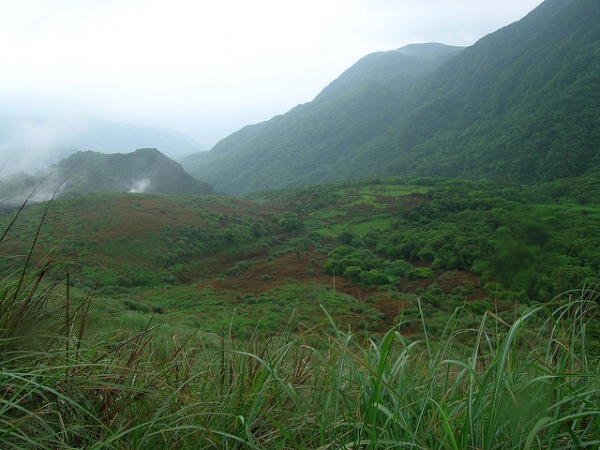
(369, 250)
(410, 260)
(141, 311)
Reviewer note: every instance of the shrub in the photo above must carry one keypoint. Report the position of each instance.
(353, 272)
(420, 272)
(345, 238)
(289, 222)
(373, 278)
(239, 267)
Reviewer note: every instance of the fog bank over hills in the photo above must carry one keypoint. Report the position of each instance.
(29, 143)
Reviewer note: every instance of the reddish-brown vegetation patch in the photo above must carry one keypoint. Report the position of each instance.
(411, 200)
(308, 268)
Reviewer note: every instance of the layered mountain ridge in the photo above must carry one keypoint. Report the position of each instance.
(520, 104)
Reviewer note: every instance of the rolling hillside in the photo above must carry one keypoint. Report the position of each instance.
(368, 250)
(520, 104)
(145, 170)
(340, 315)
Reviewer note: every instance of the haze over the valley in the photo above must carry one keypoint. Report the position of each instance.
(207, 68)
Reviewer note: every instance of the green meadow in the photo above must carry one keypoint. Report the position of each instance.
(376, 314)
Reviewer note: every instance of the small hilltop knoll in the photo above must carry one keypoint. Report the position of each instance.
(145, 170)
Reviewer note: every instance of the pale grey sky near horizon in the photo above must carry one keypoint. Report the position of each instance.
(208, 68)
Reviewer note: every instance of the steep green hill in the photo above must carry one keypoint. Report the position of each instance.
(305, 145)
(520, 104)
(145, 170)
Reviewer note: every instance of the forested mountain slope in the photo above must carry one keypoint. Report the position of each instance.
(304, 145)
(520, 104)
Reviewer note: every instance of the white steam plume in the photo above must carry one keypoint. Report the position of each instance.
(140, 186)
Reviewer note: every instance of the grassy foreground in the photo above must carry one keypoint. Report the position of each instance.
(70, 379)
(530, 384)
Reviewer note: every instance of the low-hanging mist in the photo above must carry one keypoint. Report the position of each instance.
(29, 144)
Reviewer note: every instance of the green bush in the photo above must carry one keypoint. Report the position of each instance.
(373, 278)
(420, 272)
(353, 272)
(238, 268)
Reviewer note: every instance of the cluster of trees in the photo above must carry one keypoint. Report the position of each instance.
(362, 265)
(535, 241)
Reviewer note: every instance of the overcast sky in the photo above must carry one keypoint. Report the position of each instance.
(209, 67)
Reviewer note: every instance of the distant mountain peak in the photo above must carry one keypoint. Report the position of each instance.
(520, 104)
(429, 50)
(145, 170)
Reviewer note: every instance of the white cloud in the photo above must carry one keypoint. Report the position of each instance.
(28, 144)
(173, 58)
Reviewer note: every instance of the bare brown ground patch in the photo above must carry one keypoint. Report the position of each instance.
(413, 200)
(308, 268)
(129, 216)
(447, 281)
